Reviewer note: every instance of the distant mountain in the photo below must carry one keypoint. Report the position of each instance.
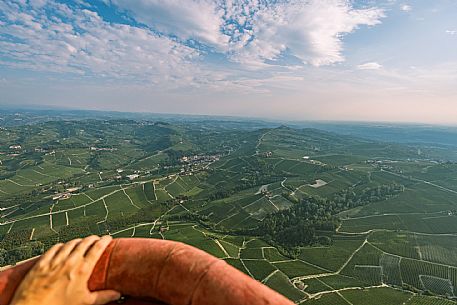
(400, 133)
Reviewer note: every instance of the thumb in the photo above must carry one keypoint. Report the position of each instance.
(104, 296)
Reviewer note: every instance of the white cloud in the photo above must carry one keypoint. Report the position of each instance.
(79, 41)
(55, 37)
(312, 31)
(406, 8)
(369, 66)
(193, 19)
(37, 3)
(254, 32)
(451, 32)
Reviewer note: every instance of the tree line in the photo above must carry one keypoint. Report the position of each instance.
(303, 223)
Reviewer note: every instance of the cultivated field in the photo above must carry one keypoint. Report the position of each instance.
(383, 219)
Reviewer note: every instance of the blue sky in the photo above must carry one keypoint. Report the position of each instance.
(386, 60)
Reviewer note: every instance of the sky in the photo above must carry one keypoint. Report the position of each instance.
(362, 60)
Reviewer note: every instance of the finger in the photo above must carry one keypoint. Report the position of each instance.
(80, 251)
(64, 252)
(97, 250)
(49, 255)
(104, 296)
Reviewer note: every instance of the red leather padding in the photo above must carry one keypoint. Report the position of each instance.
(157, 272)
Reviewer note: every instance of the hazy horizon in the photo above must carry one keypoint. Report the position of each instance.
(266, 119)
(334, 60)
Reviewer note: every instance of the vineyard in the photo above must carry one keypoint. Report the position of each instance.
(321, 218)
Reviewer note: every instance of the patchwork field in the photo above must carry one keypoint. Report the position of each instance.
(319, 217)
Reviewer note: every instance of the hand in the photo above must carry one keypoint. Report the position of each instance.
(60, 276)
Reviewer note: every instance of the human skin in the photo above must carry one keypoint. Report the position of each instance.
(60, 276)
(153, 271)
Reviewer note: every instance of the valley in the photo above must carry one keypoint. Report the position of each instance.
(320, 217)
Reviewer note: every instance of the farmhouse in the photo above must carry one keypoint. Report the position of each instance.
(164, 229)
(73, 189)
(62, 196)
(133, 177)
(268, 154)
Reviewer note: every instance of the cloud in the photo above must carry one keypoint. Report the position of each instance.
(55, 37)
(451, 32)
(369, 66)
(257, 33)
(406, 8)
(195, 19)
(312, 31)
(169, 43)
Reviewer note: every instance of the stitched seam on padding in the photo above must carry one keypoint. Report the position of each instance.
(170, 253)
(116, 243)
(201, 279)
